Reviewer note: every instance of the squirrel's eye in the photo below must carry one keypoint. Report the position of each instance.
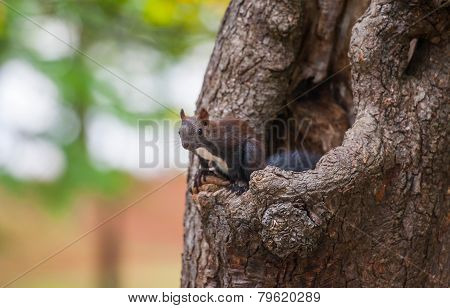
(200, 131)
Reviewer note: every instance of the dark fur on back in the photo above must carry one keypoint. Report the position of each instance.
(293, 161)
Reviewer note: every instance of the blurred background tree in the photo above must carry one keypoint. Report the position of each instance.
(68, 123)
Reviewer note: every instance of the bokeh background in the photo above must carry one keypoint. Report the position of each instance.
(69, 138)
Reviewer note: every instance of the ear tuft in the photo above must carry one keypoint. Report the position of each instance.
(182, 115)
(203, 115)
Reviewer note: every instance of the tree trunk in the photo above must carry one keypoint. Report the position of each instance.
(375, 210)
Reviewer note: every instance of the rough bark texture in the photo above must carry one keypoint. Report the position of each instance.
(374, 212)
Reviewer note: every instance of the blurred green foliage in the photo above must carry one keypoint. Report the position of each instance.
(170, 27)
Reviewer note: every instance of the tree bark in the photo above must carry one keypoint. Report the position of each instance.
(374, 212)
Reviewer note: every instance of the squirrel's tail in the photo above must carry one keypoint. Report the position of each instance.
(293, 160)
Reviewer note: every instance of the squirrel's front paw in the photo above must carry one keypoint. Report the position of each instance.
(204, 177)
(198, 179)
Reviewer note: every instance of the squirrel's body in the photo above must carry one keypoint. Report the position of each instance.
(232, 147)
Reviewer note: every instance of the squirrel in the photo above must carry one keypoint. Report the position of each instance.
(231, 149)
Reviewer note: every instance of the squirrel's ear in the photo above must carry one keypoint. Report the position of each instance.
(203, 115)
(182, 115)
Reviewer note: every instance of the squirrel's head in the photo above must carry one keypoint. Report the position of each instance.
(193, 129)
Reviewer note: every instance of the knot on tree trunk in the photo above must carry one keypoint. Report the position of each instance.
(287, 229)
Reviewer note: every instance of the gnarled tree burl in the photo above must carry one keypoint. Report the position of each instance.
(374, 212)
